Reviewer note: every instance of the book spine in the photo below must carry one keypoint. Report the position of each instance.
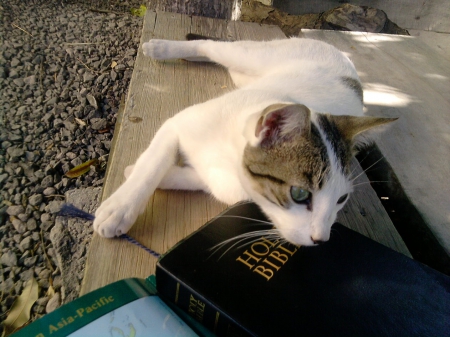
(197, 306)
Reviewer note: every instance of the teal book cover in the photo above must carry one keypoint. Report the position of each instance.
(128, 307)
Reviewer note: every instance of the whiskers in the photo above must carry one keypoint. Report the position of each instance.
(248, 238)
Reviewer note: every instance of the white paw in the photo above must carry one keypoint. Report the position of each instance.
(157, 49)
(116, 215)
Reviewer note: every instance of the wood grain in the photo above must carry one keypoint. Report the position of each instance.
(157, 91)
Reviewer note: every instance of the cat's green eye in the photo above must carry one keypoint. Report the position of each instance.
(299, 194)
(342, 199)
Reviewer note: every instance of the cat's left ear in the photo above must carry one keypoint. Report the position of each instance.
(352, 126)
(278, 123)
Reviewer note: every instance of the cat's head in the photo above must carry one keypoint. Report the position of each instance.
(297, 167)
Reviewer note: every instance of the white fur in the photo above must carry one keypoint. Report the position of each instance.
(281, 71)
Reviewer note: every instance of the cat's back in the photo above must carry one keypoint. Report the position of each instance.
(313, 73)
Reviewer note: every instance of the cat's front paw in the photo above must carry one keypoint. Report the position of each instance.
(115, 216)
(158, 49)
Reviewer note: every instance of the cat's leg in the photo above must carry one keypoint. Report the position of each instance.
(117, 214)
(245, 60)
(182, 178)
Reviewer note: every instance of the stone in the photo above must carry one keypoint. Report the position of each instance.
(54, 206)
(88, 76)
(35, 199)
(47, 181)
(19, 82)
(355, 18)
(92, 101)
(31, 224)
(25, 244)
(15, 210)
(30, 261)
(19, 226)
(3, 177)
(30, 80)
(49, 191)
(9, 258)
(15, 153)
(98, 123)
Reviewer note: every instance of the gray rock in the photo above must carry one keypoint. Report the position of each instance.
(92, 101)
(25, 244)
(19, 82)
(35, 199)
(88, 76)
(15, 210)
(98, 123)
(3, 177)
(19, 226)
(49, 191)
(30, 261)
(9, 258)
(31, 224)
(113, 75)
(15, 153)
(15, 62)
(47, 181)
(54, 206)
(30, 80)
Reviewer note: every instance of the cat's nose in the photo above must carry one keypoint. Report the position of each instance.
(317, 242)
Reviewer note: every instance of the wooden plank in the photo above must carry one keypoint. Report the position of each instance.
(395, 73)
(365, 214)
(157, 91)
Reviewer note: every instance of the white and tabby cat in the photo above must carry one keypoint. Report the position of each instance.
(283, 139)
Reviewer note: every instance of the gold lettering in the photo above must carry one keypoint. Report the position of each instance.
(271, 264)
(80, 312)
(255, 251)
(278, 256)
(271, 243)
(192, 304)
(287, 250)
(94, 306)
(110, 299)
(250, 257)
(265, 272)
(200, 310)
(52, 328)
(88, 310)
(40, 335)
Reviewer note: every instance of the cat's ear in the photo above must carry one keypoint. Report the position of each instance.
(280, 122)
(351, 126)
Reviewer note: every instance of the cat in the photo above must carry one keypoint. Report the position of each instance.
(283, 139)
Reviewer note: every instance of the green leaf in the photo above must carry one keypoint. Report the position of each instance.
(19, 314)
(139, 11)
(81, 169)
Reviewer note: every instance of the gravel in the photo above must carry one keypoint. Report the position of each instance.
(59, 99)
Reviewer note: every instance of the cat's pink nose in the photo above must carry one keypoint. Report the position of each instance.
(317, 242)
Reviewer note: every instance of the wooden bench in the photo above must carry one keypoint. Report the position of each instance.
(158, 90)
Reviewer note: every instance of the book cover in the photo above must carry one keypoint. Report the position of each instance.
(128, 307)
(348, 286)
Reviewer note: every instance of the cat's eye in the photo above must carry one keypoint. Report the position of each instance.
(342, 199)
(299, 195)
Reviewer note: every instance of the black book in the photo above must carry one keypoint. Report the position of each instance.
(348, 286)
